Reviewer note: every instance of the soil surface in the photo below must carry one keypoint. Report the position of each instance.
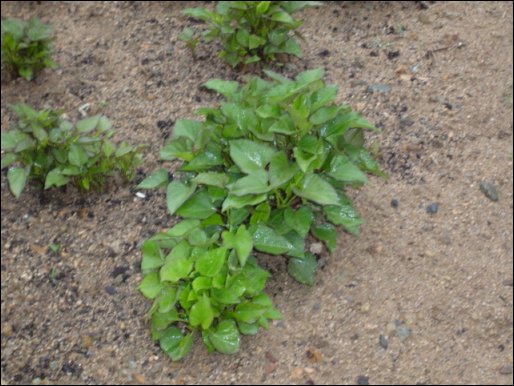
(423, 295)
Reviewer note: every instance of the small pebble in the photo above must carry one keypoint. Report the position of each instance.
(508, 282)
(110, 290)
(402, 332)
(506, 370)
(394, 203)
(433, 208)
(362, 380)
(384, 343)
(140, 195)
(489, 190)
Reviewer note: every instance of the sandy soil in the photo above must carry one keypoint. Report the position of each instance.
(418, 298)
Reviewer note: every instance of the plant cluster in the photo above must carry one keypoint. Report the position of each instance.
(26, 47)
(250, 31)
(53, 151)
(266, 168)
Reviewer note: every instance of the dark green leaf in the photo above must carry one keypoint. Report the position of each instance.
(198, 206)
(303, 269)
(201, 313)
(55, 177)
(254, 183)
(266, 240)
(211, 262)
(223, 87)
(88, 124)
(225, 337)
(151, 256)
(342, 169)
(155, 180)
(176, 269)
(151, 285)
(174, 344)
(17, 178)
(177, 193)
(280, 169)
(326, 233)
(235, 202)
(318, 190)
(250, 156)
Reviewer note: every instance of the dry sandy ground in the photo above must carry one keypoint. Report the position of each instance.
(418, 298)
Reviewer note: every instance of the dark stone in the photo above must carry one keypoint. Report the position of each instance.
(110, 290)
(120, 270)
(394, 203)
(433, 208)
(362, 380)
(324, 53)
(165, 124)
(373, 53)
(489, 190)
(393, 54)
(384, 343)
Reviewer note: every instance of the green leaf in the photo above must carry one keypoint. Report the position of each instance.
(261, 213)
(17, 178)
(248, 312)
(326, 233)
(151, 256)
(77, 155)
(26, 73)
(181, 148)
(177, 193)
(183, 228)
(282, 17)
(266, 240)
(300, 220)
(323, 115)
(298, 243)
(55, 177)
(187, 128)
(176, 269)
(262, 7)
(212, 178)
(8, 159)
(344, 215)
(310, 76)
(248, 329)
(250, 156)
(202, 283)
(155, 180)
(211, 262)
(280, 169)
(303, 269)
(198, 206)
(254, 183)
(316, 189)
(205, 160)
(201, 313)
(167, 299)
(342, 169)
(151, 285)
(235, 202)
(174, 344)
(284, 125)
(243, 244)
(224, 87)
(225, 337)
(88, 124)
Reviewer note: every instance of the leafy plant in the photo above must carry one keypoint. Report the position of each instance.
(188, 37)
(202, 278)
(53, 151)
(251, 31)
(26, 47)
(265, 169)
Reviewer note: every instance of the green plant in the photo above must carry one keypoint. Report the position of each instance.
(53, 151)
(265, 169)
(202, 277)
(26, 47)
(188, 37)
(251, 31)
